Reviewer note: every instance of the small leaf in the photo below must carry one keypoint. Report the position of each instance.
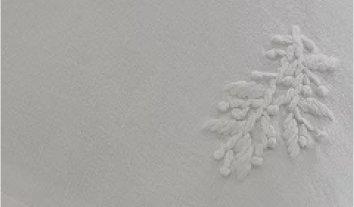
(309, 45)
(322, 91)
(274, 54)
(223, 106)
(238, 113)
(232, 141)
(242, 144)
(291, 136)
(315, 107)
(227, 127)
(282, 39)
(257, 161)
(321, 63)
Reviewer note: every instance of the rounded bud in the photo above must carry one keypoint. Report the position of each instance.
(224, 171)
(257, 161)
(218, 154)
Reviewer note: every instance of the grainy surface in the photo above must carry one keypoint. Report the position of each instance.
(103, 101)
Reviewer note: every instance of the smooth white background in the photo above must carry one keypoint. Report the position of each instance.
(103, 102)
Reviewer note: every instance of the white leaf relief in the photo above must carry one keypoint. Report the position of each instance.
(246, 125)
(315, 107)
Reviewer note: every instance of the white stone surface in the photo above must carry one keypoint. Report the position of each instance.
(103, 101)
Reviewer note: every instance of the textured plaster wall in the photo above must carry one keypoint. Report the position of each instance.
(102, 102)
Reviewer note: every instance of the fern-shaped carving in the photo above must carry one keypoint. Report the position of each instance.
(245, 123)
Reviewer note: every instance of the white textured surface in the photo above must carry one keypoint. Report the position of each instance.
(8, 201)
(103, 101)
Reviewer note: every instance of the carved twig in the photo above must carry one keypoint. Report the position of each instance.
(249, 105)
